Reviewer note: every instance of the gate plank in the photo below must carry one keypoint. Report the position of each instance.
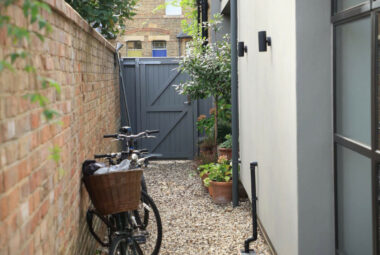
(167, 84)
(169, 130)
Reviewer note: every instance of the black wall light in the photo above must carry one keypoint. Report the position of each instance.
(264, 41)
(242, 49)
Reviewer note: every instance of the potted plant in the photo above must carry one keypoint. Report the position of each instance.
(208, 65)
(206, 147)
(219, 180)
(203, 173)
(225, 148)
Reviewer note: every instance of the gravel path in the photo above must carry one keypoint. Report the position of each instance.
(192, 223)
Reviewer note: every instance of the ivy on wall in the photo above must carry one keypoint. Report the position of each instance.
(20, 36)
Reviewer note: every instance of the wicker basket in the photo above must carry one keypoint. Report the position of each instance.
(115, 192)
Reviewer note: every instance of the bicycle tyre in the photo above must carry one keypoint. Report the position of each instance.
(152, 225)
(121, 246)
(143, 184)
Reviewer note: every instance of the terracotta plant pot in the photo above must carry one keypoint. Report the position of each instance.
(225, 152)
(207, 150)
(221, 192)
(210, 190)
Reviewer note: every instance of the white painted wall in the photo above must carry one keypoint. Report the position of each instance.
(285, 121)
(315, 128)
(268, 124)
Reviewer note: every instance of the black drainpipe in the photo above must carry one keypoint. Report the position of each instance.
(246, 250)
(204, 19)
(199, 13)
(234, 103)
(179, 47)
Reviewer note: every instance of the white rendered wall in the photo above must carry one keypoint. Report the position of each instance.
(285, 97)
(315, 128)
(268, 124)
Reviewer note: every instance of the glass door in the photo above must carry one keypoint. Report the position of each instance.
(356, 126)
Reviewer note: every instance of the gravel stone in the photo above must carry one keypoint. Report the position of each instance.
(192, 223)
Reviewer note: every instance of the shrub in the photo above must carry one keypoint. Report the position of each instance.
(108, 16)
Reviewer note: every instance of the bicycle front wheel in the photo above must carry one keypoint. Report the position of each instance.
(123, 245)
(148, 233)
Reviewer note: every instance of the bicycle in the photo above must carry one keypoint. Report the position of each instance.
(134, 155)
(128, 236)
(131, 232)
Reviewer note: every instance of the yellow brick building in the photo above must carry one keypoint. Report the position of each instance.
(154, 33)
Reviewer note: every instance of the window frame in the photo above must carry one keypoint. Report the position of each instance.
(355, 9)
(159, 49)
(159, 41)
(134, 43)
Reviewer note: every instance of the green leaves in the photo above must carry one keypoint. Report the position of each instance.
(209, 69)
(17, 33)
(37, 98)
(30, 69)
(43, 101)
(55, 154)
(49, 113)
(108, 16)
(5, 64)
(20, 54)
(47, 82)
(31, 10)
(220, 172)
(7, 3)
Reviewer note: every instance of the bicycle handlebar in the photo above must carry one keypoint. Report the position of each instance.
(111, 136)
(152, 131)
(145, 133)
(112, 155)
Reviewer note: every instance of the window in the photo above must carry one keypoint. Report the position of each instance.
(159, 49)
(134, 45)
(134, 49)
(173, 8)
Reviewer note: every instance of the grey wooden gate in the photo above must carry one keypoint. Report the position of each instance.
(154, 104)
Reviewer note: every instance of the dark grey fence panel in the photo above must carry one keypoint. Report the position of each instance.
(129, 74)
(154, 104)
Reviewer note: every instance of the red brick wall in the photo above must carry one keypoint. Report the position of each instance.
(42, 208)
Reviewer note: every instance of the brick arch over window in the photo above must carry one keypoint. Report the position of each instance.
(148, 29)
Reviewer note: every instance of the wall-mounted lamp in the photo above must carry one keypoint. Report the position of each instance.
(264, 41)
(242, 49)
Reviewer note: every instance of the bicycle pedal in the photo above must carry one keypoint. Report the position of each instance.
(140, 238)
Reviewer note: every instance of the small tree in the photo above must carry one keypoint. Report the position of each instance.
(209, 68)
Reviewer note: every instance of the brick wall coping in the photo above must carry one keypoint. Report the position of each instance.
(64, 9)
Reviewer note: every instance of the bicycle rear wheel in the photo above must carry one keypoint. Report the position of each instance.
(123, 245)
(148, 233)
